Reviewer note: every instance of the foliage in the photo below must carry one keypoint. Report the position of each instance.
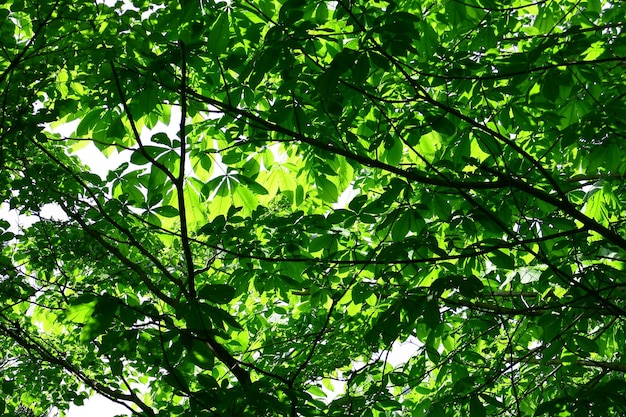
(346, 176)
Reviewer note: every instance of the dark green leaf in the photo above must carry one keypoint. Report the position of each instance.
(220, 35)
(217, 293)
(166, 211)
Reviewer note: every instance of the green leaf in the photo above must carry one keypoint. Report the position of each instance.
(585, 344)
(81, 309)
(327, 190)
(361, 69)
(316, 391)
(432, 316)
(176, 379)
(201, 355)
(146, 154)
(291, 11)
(477, 409)
(162, 139)
(197, 315)
(417, 200)
(441, 125)
(394, 152)
(244, 196)
(594, 5)
(116, 129)
(166, 211)
(501, 259)
(469, 286)
(100, 320)
(401, 227)
(219, 35)
(217, 293)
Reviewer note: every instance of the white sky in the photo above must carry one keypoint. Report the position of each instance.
(98, 406)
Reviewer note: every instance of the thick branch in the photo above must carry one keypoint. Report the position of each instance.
(229, 360)
(180, 183)
(133, 125)
(501, 180)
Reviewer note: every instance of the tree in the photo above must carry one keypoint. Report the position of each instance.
(345, 176)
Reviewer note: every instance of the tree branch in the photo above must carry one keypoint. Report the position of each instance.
(180, 183)
(28, 343)
(608, 366)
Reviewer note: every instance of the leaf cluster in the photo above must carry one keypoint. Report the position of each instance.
(289, 195)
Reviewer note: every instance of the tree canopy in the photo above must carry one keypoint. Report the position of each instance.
(297, 188)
